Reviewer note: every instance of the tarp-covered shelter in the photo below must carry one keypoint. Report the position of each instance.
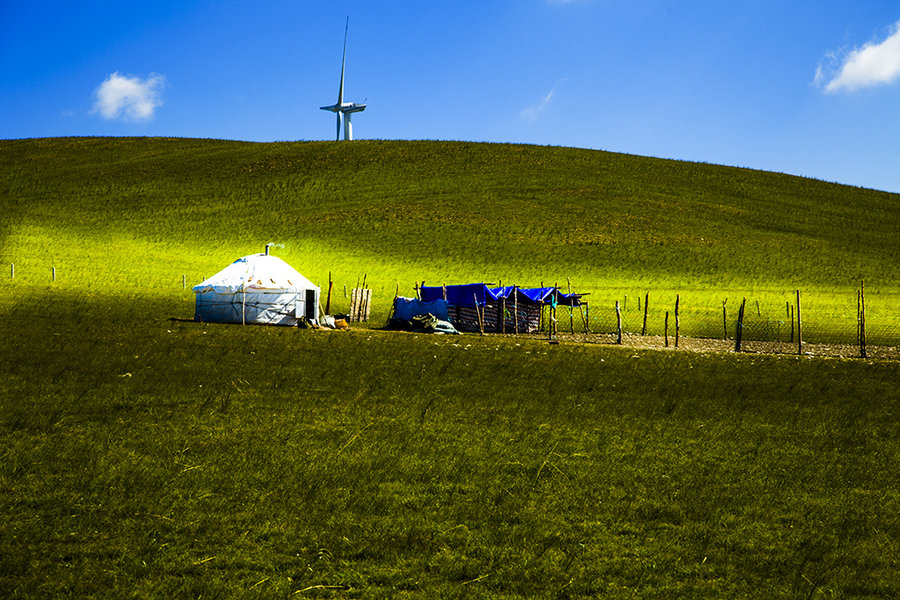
(413, 314)
(508, 309)
(260, 289)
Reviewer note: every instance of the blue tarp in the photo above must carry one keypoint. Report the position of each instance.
(407, 308)
(470, 293)
(460, 295)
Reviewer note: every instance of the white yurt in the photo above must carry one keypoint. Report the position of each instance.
(260, 289)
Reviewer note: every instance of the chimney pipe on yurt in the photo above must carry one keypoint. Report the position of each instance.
(267, 247)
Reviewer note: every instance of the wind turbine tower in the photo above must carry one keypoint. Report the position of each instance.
(341, 109)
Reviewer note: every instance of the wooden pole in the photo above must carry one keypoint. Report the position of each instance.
(540, 315)
(367, 302)
(724, 320)
(571, 309)
(478, 314)
(792, 324)
(787, 315)
(666, 330)
(799, 327)
(739, 330)
(183, 281)
(862, 315)
(393, 311)
(618, 324)
(328, 298)
(12, 270)
(53, 270)
(362, 301)
(516, 309)
(677, 318)
(646, 308)
(354, 301)
(555, 308)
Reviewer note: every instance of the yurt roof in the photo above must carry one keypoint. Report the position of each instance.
(256, 272)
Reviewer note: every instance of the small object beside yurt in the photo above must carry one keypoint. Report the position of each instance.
(257, 289)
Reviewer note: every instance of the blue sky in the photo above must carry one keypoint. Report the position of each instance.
(804, 87)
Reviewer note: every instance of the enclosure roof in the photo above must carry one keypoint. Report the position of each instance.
(469, 294)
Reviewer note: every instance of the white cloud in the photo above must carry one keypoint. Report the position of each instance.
(533, 112)
(129, 98)
(872, 64)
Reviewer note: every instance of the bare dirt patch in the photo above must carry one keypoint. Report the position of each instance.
(657, 342)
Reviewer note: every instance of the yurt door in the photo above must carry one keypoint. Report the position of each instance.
(311, 305)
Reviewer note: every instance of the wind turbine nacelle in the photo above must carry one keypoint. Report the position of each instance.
(352, 108)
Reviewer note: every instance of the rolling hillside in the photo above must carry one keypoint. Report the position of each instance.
(147, 210)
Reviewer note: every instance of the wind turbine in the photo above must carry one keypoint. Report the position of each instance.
(341, 109)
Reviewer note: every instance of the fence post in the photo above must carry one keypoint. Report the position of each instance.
(516, 310)
(12, 270)
(619, 324)
(792, 323)
(862, 320)
(787, 315)
(799, 327)
(584, 321)
(677, 318)
(53, 271)
(724, 320)
(328, 297)
(478, 314)
(739, 330)
(646, 303)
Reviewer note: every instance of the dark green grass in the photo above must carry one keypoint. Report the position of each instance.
(144, 455)
(154, 457)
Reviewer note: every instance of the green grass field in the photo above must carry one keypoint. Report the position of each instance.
(145, 455)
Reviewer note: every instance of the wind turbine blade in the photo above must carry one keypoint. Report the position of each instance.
(343, 64)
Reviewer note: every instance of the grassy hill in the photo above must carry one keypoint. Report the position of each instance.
(144, 455)
(438, 211)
